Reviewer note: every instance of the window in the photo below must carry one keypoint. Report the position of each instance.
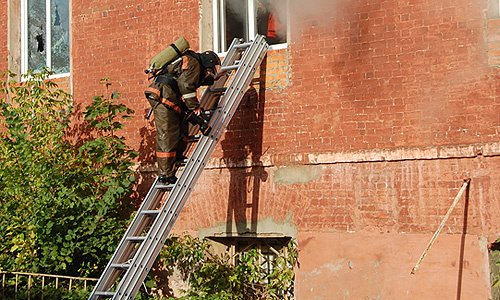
(269, 249)
(45, 35)
(493, 8)
(245, 18)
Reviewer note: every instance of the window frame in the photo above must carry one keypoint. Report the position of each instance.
(268, 248)
(219, 40)
(48, 38)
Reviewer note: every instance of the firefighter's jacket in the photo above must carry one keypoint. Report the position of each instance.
(176, 87)
(172, 93)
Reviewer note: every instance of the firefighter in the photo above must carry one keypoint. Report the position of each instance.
(173, 100)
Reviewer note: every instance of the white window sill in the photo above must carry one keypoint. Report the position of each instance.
(272, 47)
(55, 76)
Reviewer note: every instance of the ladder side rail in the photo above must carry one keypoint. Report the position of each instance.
(142, 251)
(228, 60)
(158, 234)
(250, 58)
(104, 281)
(158, 230)
(208, 98)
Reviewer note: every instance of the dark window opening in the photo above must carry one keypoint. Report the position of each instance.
(60, 36)
(236, 21)
(271, 20)
(37, 57)
(246, 18)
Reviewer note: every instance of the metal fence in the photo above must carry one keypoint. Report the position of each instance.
(21, 279)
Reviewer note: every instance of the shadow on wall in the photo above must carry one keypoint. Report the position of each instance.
(243, 140)
(146, 158)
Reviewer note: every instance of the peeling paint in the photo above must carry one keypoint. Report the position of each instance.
(297, 174)
(329, 268)
(265, 227)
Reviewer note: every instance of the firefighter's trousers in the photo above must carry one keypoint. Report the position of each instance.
(171, 130)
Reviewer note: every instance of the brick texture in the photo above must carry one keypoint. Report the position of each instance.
(116, 39)
(386, 197)
(360, 80)
(3, 35)
(383, 74)
(364, 75)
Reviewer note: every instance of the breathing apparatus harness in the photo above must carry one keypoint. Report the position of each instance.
(208, 61)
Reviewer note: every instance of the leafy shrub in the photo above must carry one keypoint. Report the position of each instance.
(495, 269)
(213, 276)
(60, 198)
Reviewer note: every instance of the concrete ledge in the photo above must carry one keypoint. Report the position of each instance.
(374, 155)
(362, 156)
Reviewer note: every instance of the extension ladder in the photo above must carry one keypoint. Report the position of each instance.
(157, 214)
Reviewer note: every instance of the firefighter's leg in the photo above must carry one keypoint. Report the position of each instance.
(183, 142)
(168, 135)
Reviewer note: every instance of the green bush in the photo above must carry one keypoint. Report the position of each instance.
(60, 197)
(495, 269)
(213, 276)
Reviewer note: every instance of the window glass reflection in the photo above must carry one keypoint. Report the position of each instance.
(36, 48)
(60, 36)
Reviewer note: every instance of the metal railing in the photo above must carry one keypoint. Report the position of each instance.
(57, 280)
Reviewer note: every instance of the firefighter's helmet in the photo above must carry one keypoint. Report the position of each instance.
(209, 59)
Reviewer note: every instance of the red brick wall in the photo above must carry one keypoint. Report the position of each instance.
(116, 39)
(380, 111)
(409, 196)
(363, 130)
(384, 74)
(3, 35)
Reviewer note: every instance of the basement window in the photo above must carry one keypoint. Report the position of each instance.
(267, 248)
(45, 36)
(246, 18)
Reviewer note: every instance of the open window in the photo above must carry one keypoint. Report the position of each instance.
(245, 18)
(45, 36)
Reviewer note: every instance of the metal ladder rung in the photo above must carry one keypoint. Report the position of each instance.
(121, 266)
(181, 163)
(218, 90)
(243, 45)
(105, 294)
(135, 238)
(229, 68)
(193, 138)
(150, 212)
(164, 186)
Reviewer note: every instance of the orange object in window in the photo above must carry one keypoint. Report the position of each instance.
(272, 25)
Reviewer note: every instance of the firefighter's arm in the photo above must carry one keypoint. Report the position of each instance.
(188, 83)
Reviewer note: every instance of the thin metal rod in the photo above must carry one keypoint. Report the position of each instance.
(443, 222)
